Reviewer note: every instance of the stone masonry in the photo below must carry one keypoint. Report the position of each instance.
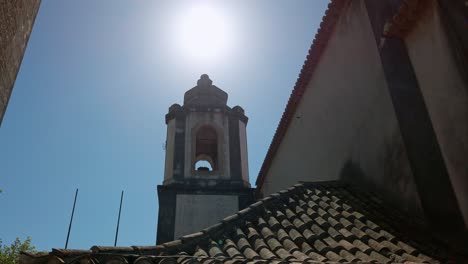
(16, 22)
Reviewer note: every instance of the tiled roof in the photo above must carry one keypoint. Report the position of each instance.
(309, 222)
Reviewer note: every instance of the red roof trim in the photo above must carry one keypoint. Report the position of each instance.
(315, 52)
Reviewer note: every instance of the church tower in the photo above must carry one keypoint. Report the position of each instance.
(206, 174)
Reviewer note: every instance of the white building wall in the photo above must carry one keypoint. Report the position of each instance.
(345, 122)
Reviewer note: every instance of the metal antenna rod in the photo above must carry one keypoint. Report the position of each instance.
(118, 220)
(71, 219)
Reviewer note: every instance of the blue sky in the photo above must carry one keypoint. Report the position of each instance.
(87, 110)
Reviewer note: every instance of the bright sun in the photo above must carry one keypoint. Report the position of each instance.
(203, 33)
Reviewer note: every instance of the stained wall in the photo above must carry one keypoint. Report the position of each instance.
(16, 22)
(445, 93)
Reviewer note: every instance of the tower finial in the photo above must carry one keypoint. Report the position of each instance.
(204, 80)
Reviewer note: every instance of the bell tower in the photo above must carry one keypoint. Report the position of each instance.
(206, 174)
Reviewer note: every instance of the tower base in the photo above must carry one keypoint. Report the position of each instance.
(185, 209)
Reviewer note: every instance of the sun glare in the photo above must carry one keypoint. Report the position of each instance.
(203, 33)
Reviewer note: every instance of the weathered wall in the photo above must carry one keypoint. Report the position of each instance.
(195, 212)
(243, 150)
(345, 126)
(170, 145)
(184, 209)
(16, 22)
(445, 94)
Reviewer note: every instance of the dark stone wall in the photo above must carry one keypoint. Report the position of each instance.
(16, 22)
(166, 214)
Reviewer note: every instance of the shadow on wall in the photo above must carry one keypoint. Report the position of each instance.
(352, 172)
(396, 170)
(393, 181)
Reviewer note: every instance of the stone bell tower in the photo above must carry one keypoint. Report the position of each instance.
(204, 130)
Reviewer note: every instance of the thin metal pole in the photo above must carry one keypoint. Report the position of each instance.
(118, 220)
(71, 219)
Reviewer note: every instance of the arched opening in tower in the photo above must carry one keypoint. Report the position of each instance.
(206, 149)
(203, 165)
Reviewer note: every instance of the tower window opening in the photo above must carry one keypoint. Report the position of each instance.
(203, 165)
(206, 149)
